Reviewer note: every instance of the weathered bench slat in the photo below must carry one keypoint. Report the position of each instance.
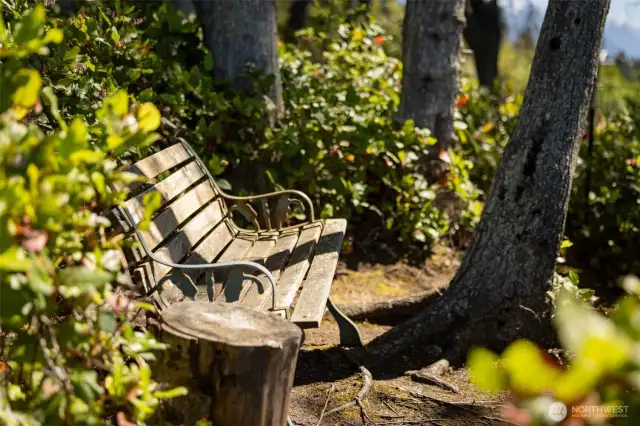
(293, 275)
(169, 188)
(240, 279)
(159, 163)
(308, 312)
(236, 250)
(258, 295)
(179, 211)
(209, 248)
(180, 245)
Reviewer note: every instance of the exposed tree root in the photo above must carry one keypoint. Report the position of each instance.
(389, 311)
(367, 379)
(431, 379)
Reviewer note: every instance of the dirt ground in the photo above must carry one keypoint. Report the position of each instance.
(326, 378)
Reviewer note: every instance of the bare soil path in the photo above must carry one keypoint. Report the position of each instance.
(326, 378)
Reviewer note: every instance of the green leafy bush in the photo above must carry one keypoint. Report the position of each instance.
(604, 209)
(67, 356)
(598, 383)
(337, 139)
(604, 212)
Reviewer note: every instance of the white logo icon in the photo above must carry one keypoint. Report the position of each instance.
(557, 411)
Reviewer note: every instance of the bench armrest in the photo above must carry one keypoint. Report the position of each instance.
(272, 219)
(207, 266)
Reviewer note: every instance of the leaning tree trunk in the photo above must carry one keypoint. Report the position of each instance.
(431, 47)
(238, 33)
(498, 294)
(483, 34)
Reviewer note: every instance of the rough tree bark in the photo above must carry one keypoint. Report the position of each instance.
(431, 46)
(483, 34)
(241, 32)
(498, 294)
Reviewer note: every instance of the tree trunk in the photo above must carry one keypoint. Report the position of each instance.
(498, 294)
(237, 363)
(297, 18)
(185, 6)
(483, 34)
(431, 47)
(241, 32)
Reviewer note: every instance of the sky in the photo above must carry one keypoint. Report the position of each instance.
(621, 11)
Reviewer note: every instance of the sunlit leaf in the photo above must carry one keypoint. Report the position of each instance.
(484, 370)
(148, 117)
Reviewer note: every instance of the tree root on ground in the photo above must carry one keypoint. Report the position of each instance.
(367, 381)
(366, 387)
(389, 311)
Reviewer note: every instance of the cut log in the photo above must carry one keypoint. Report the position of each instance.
(237, 363)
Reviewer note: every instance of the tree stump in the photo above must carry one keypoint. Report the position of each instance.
(237, 363)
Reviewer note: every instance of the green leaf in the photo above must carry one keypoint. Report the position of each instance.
(484, 370)
(150, 203)
(71, 54)
(148, 117)
(566, 244)
(86, 156)
(51, 101)
(54, 35)
(75, 138)
(172, 393)
(527, 368)
(117, 104)
(80, 276)
(14, 259)
(30, 26)
(28, 84)
(107, 322)
(85, 385)
(114, 34)
(208, 62)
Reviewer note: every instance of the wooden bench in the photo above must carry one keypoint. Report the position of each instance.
(195, 250)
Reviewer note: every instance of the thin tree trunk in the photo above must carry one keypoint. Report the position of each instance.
(498, 294)
(297, 18)
(431, 47)
(483, 34)
(241, 32)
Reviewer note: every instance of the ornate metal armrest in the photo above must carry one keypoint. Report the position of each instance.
(286, 199)
(207, 266)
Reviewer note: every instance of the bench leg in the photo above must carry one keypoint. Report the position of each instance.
(349, 333)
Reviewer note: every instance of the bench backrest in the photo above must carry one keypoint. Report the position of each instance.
(191, 226)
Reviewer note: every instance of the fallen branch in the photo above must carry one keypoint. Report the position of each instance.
(389, 311)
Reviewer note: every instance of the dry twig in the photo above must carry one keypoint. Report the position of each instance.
(325, 404)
